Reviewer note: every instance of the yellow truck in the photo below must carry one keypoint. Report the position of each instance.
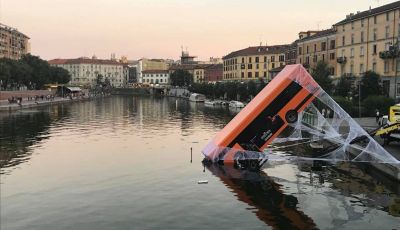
(389, 129)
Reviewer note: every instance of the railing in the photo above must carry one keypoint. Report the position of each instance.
(341, 60)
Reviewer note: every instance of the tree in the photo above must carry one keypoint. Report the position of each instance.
(181, 78)
(321, 75)
(59, 75)
(343, 87)
(370, 85)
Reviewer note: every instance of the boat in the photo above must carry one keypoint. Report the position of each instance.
(211, 103)
(196, 97)
(236, 104)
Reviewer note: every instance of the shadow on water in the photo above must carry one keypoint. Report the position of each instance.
(22, 129)
(260, 191)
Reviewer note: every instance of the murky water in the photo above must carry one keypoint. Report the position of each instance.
(124, 163)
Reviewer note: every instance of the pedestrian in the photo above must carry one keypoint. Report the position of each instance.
(328, 113)
(377, 116)
(323, 112)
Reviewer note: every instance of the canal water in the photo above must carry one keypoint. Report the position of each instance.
(125, 163)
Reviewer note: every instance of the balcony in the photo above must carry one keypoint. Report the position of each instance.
(341, 60)
(388, 54)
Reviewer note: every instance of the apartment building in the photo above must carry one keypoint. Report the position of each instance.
(316, 46)
(84, 71)
(213, 73)
(253, 63)
(156, 77)
(365, 41)
(13, 44)
(145, 64)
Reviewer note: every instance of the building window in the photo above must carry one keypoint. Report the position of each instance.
(272, 58)
(315, 58)
(249, 74)
(374, 66)
(362, 36)
(362, 22)
(265, 58)
(242, 74)
(265, 74)
(256, 76)
(323, 46)
(332, 44)
(352, 52)
(315, 48)
(249, 59)
(374, 49)
(375, 19)
(352, 38)
(387, 32)
(332, 56)
(361, 68)
(386, 67)
(273, 65)
(387, 16)
(257, 60)
(242, 60)
(249, 66)
(257, 66)
(374, 35)
(323, 57)
(398, 65)
(281, 58)
(343, 40)
(301, 50)
(398, 89)
(307, 49)
(362, 51)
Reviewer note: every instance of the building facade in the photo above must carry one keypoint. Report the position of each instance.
(363, 41)
(160, 77)
(253, 63)
(84, 71)
(213, 73)
(145, 64)
(316, 46)
(13, 44)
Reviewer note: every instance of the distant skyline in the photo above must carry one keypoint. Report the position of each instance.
(158, 28)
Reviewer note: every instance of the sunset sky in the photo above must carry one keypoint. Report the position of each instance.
(158, 28)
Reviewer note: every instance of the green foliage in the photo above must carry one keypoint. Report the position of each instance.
(243, 91)
(373, 103)
(30, 71)
(345, 103)
(321, 76)
(370, 85)
(181, 78)
(343, 88)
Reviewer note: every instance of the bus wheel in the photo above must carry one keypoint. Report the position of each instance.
(291, 116)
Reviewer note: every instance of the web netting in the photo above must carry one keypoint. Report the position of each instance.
(322, 130)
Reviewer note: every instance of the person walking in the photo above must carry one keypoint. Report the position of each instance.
(377, 116)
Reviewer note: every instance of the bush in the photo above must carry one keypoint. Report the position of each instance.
(373, 103)
(345, 103)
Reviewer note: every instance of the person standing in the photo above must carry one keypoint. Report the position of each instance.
(377, 116)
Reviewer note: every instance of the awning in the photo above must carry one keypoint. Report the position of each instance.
(74, 89)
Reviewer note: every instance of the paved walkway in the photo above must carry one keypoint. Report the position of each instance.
(6, 106)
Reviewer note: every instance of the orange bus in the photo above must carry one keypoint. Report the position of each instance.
(264, 118)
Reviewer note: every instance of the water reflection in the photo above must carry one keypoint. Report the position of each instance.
(20, 130)
(260, 191)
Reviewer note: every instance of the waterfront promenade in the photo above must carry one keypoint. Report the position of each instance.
(25, 103)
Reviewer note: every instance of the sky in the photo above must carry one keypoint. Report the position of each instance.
(159, 28)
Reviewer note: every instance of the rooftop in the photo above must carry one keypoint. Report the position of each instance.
(83, 61)
(258, 50)
(319, 34)
(11, 29)
(370, 12)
